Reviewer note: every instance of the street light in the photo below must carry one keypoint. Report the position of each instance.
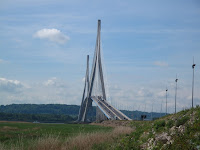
(175, 92)
(166, 100)
(161, 109)
(152, 112)
(193, 81)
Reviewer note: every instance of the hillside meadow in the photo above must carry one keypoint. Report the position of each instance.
(180, 131)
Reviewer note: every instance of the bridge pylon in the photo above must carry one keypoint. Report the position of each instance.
(86, 102)
(94, 89)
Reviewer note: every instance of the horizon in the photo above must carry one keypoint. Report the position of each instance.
(93, 106)
(145, 44)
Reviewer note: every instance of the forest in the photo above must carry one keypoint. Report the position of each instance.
(58, 113)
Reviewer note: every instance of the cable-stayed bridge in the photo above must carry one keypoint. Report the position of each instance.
(94, 89)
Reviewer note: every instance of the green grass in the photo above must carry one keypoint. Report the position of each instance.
(182, 121)
(11, 132)
(140, 135)
(170, 124)
(159, 125)
(144, 131)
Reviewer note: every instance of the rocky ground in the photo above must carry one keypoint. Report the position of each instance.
(175, 131)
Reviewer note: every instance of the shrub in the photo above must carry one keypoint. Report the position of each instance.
(180, 142)
(182, 121)
(158, 124)
(170, 123)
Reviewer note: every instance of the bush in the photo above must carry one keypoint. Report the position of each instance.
(170, 123)
(159, 124)
(182, 121)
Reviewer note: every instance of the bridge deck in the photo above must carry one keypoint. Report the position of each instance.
(110, 112)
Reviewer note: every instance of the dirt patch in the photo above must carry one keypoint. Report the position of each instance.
(113, 123)
(13, 122)
(36, 128)
(7, 128)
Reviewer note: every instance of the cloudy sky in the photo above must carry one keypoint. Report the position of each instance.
(44, 43)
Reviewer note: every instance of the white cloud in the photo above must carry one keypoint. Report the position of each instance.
(53, 35)
(10, 85)
(132, 97)
(50, 82)
(139, 97)
(50, 91)
(161, 63)
(55, 83)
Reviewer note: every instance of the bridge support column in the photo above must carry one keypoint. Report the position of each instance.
(100, 115)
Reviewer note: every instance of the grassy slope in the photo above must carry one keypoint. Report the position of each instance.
(176, 131)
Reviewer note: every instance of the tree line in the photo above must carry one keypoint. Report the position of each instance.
(37, 117)
(58, 112)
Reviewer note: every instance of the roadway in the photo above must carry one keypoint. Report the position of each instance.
(109, 110)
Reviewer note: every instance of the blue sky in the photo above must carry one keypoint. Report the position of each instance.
(43, 48)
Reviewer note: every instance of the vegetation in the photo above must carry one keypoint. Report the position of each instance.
(158, 124)
(43, 112)
(15, 134)
(37, 117)
(23, 136)
(170, 124)
(62, 109)
(176, 131)
(182, 121)
(72, 110)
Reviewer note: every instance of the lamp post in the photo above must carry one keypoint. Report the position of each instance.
(175, 92)
(161, 109)
(166, 100)
(152, 112)
(193, 81)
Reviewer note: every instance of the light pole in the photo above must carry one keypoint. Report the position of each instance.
(152, 112)
(166, 100)
(175, 92)
(193, 81)
(161, 109)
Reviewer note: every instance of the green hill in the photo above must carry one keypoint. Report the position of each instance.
(176, 131)
(41, 112)
(41, 109)
(44, 118)
(63, 109)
